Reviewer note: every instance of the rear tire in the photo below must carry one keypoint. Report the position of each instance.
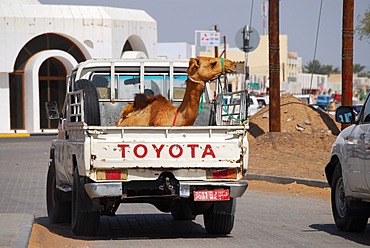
(85, 221)
(58, 207)
(182, 211)
(91, 101)
(340, 208)
(219, 219)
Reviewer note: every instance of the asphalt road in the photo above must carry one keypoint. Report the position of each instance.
(262, 219)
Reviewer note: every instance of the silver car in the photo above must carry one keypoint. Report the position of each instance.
(348, 171)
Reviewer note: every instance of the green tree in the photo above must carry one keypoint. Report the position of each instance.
(364, 74)
(329, 69)
(358, 69)
(313, 66)
(363, 25)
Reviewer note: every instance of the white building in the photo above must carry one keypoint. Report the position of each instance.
(175, 50)
(40, 44)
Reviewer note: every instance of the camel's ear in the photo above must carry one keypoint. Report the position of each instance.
(195, 62)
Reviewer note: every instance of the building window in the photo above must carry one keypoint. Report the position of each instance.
(16, 101)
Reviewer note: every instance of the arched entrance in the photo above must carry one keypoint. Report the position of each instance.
(52, 87)
(134, 43)
(52, 77)
(41, 84)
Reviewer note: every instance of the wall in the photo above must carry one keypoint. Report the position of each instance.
(4, 101)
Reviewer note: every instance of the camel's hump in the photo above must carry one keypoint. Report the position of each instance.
(141, 101)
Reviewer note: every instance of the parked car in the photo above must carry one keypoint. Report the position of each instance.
(253, 105)
(262, 102)
(323, 101)
(348, 171)
(306, 98)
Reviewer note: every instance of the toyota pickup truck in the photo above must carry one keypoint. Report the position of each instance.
(95, 166)
(348, 171)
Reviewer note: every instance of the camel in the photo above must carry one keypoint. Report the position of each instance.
(158, 111)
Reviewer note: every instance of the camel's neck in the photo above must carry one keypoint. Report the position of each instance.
(188, 109)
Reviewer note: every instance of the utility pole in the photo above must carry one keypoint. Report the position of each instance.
(216, 47)
(347, 54)
(274, 67)
(224, 51)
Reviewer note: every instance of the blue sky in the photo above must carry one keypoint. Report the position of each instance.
(178, 19)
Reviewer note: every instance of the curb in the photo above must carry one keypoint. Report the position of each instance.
(15, 229)
(24, 231)
(22, 135)
(288, 180)
(14, 135)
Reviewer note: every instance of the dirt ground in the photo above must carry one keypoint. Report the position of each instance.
(301, 150)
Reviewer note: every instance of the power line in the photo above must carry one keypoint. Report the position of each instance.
(316, 40)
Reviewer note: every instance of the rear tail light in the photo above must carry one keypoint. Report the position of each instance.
(111, 175)
(221, 174)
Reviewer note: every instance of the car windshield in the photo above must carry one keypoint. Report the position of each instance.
(357, 108)
(261, 103)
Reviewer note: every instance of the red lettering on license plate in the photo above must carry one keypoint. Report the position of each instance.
(212, 195)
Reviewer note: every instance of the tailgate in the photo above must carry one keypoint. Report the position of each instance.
(168, 147)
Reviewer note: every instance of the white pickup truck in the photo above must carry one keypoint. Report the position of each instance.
(348, 171)
(95, 166)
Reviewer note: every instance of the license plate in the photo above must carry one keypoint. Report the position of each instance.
(212, 195)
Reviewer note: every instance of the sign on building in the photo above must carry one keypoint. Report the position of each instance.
(209, 38)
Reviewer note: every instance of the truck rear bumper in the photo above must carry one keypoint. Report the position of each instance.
(237, 189)
(101, 190)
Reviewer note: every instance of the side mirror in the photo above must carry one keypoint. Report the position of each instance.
(52, 112)
(345, 115)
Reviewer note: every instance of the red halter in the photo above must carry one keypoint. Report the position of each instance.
(175, 118)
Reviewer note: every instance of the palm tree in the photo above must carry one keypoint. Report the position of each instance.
(329, 69)
(313, 66)
(364, 74)
(357, 68)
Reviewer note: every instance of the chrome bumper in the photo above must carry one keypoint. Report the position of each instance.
(101, 190)
(237, 189)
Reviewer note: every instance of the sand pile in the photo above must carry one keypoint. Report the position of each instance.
(301, 149)
(296, 116)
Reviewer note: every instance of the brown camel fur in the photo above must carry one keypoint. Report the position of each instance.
(158, 111)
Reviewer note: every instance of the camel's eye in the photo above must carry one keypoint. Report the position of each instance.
(213, 64)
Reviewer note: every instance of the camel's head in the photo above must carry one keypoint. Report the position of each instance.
(205, 69)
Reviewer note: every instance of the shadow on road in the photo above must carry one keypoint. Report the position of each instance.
(135, 227)
(360, 238)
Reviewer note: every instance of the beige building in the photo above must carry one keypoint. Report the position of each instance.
(292, 79)
(360, 84)
(294, 67)
(335, 83)
(258, 63)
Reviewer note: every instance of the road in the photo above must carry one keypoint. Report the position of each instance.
(263, 219)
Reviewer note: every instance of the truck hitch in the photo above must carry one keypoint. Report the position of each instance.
(169, 183)
(167, 186)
